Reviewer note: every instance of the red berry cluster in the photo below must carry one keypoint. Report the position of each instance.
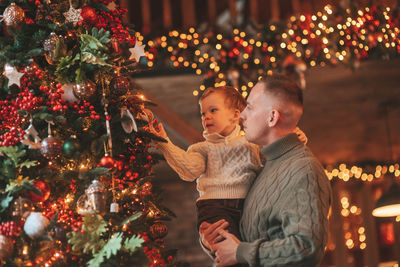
(10, 119)
(85, 107)
(155, 257)
(8, 229)
(12, 137)
(54, 100)
(111, 21)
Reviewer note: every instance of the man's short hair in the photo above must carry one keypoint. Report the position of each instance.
(284, 88)
(233, 99)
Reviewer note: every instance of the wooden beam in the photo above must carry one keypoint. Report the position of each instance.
(296, 7)
(254, 10)
(188, 13)
(167, 15)
(212, 12)
(146, 15)
(233, 10)
(336, 228)
(186, 131)
(371, 255)
(275, 12)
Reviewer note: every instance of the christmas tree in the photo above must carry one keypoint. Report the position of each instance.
(75, 165)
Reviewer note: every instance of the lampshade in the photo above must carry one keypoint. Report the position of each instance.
(388, 205)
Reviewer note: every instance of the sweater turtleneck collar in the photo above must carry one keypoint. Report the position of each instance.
(216, 137)
(280, 146)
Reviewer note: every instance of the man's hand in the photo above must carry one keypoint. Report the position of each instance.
(225, 251)
(209, 233)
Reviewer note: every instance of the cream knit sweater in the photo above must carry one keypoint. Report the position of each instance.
(223, 166)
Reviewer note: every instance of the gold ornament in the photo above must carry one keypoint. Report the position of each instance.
(158, 230)
(87, 122)
(84, 90)
(13, 15)
(145, 189)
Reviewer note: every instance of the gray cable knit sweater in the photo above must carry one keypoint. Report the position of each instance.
(284, 221)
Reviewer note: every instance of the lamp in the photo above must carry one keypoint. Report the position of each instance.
(388, 205)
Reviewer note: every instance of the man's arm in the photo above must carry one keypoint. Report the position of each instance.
(304, 210)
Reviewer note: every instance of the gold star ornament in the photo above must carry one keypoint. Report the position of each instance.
(137, 52)
(14, 77)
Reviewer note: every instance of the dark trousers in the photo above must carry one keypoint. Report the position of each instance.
(213, 210)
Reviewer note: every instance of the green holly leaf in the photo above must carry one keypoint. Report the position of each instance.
(94, 224)
(19, 183)
(13, 153)
(132, 218)
(133, 243)
(90, 238)
(113, 245)
(101, 35)
(111, 248)
(28, 163)
(5, 202)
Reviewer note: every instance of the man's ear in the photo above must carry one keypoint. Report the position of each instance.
(273, 117)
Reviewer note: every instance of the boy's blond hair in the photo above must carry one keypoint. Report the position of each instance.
(233, 99)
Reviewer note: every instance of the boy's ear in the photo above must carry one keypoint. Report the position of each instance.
(236, 114)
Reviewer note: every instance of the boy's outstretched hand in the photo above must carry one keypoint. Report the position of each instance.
(301, 135)
(158, 130)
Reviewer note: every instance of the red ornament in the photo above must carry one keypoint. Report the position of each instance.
(107, 162)
(44, 188)
(89, 15)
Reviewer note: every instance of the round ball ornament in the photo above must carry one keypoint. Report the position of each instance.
(44, 188)
(59, 233)
(21, 208)
(89, 15)
(50, 147)
(13, 15)
(70, 147)
(119, 86)
(84, 90)
(68, 94)
(35, 225)
(145, 189)
(107, 162)
(158, 230)
(6, 247)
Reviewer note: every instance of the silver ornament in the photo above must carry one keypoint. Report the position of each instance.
(96, 194)
(49, 47)
(35, 225)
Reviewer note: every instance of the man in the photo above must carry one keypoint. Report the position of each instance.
(284, 220)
